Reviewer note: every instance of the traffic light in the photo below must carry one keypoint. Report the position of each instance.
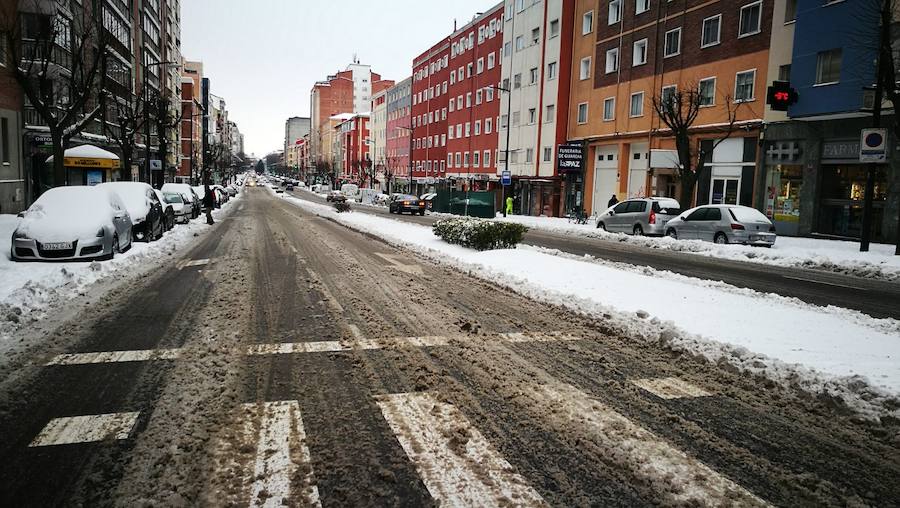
(780, 96)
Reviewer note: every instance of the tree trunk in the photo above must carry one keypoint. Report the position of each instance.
(59, 163)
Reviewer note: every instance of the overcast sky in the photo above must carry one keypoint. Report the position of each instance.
(263, 56)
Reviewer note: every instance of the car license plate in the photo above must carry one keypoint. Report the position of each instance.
(57, 246)
(758, 238)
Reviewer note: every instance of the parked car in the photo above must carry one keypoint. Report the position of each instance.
(724, 224)
(640, 216)
(407, 203)
(71, 223)
(232, 190)
(222, 195)
(144, 208)
(428, 198)
(289, 187)
(180, 206)
(168, 210)
(188, 194)
(336, 196)
(350, 190)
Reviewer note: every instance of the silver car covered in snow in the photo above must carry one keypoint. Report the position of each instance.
(723, 224)
(639, 216)
(71, 223)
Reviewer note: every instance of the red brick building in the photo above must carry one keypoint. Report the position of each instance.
(474, 102)
(356, 163)
(190, 133)
(430, 100)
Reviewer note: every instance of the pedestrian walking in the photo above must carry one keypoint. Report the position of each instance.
(209, 202)
(613, 201)
(509, 206)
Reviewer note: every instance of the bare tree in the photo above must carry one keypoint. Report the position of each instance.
(130, 117)
(678, 111)
(60, 64)
(167, 117)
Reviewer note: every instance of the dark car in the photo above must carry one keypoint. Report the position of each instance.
(336, 196)
(406, 203)
(289, 187)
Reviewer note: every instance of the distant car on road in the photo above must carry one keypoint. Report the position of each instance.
(406, 203)
(144, 208)
(73, 223)
(639, 216)
(336, 197)
(428, 198)
(724, 224)
(289, 187)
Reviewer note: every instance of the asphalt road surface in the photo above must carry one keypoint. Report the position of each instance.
(289, 361)
(873, 297)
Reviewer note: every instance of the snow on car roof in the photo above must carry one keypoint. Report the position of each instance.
(66, 213)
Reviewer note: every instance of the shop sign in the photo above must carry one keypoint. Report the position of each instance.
(42, 139)
(570, 157)
(840, 150)
(87, 162)
(155, 164)
(873, 143)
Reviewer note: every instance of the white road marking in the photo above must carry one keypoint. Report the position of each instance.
(826, 283)
(457, 464)
(196, 262)
(670, 388)
(115, 357)
(679, 477)
(287, 348)
(86, 429)
(398, 264)
(280, 452)
(519, 337)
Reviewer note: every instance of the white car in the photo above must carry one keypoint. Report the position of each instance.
(187, 194)
(73, 223)
(181, 206)
(144, 207)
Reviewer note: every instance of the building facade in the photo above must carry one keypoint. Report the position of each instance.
(294, 128)
(356, 162)
(430, 102)
(190, 154)
(399, 102)
(378, 139)
(536, 62)
(630, 54)
(473, 107)
(12, 168)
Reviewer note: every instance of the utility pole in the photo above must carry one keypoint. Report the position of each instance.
(883, 35)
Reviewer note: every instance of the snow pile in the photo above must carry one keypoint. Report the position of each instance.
(29, 291)
(829, 255)
(830, 351)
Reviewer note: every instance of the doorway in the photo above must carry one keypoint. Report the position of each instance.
(725, 191)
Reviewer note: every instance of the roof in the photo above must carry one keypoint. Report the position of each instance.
(88, 152)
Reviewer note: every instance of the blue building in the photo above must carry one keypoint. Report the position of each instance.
(815, 182)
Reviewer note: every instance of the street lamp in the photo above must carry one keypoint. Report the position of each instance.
(146, 92)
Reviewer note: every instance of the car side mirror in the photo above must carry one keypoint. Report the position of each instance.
(612, 213)
(682, 217)
(20, 215)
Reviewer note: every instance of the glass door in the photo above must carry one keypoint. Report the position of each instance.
(725, 191)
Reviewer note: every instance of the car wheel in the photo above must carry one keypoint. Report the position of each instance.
(671, 233)
(720, 238)
(638, 230)
(601, 225)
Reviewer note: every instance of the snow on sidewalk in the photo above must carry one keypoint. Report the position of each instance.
(832, 350)
(29, 290)
(830, 255)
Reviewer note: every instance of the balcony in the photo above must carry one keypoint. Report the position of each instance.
(33, 50)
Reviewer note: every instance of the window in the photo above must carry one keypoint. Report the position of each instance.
(469, 100)
(587, 23)
(637, 104)
(491, 61)
(466, 159)
(520, 43)
(582, 113)
(488, 125)
(477, 127)
(641, 6)
(507, 49)
(750, 19)
(548, 154)
(458, 157)
(639, 56)
(529, 155)
(790, 11)
(707, 91)
(585, 68)
(486, 158)
(712, 28)
(668, 93)
(533, 76)
(504, 121)
(4, 140)
(480, 67)
(673, 42)
(743, 86)
(551, 70)
(490, 94)
(476, 159)
(532, 116)
(550, 113)
(517, 81)
(612, 60)
(609, 108)
(828, 67)
(784, 72)
(536, 36)
(452, 103)
(615, 11)
(554, 28)
(516, 118)
(478, 97)
(469, 70)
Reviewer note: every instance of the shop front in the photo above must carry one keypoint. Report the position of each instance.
(842, 192)
(88, 165)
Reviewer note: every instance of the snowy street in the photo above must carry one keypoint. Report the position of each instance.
(294, 356)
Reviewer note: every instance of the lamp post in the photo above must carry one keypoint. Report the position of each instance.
(146, 92)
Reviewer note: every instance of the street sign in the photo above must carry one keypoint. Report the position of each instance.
(873, 145)
(570, 157)
(155, 164)
(506, 178)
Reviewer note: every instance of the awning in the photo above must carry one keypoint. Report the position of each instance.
(89, 156)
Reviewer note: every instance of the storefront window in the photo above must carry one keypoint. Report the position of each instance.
(842, 194)
(783, 197)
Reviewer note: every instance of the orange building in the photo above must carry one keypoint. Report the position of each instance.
(626, 52)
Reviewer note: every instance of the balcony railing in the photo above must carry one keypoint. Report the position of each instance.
(33, 51)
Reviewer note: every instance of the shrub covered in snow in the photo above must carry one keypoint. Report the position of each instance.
(480, 234)
(342, 206)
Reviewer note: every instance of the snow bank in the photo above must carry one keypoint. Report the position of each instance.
(830, 255)
(842, 353)
(29, 291)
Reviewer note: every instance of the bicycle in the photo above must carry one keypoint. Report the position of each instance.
(577, 216)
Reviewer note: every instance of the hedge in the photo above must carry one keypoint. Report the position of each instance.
(480, 234)
(341, 206)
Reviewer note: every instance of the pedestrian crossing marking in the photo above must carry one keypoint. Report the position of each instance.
(458, 466)
(196, 262)
(115, 357)
(86, 429)
(670, 388)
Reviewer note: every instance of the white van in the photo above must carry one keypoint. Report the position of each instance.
(350, 191)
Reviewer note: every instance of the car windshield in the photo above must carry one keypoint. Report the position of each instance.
(408, 198)
(173, 198)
